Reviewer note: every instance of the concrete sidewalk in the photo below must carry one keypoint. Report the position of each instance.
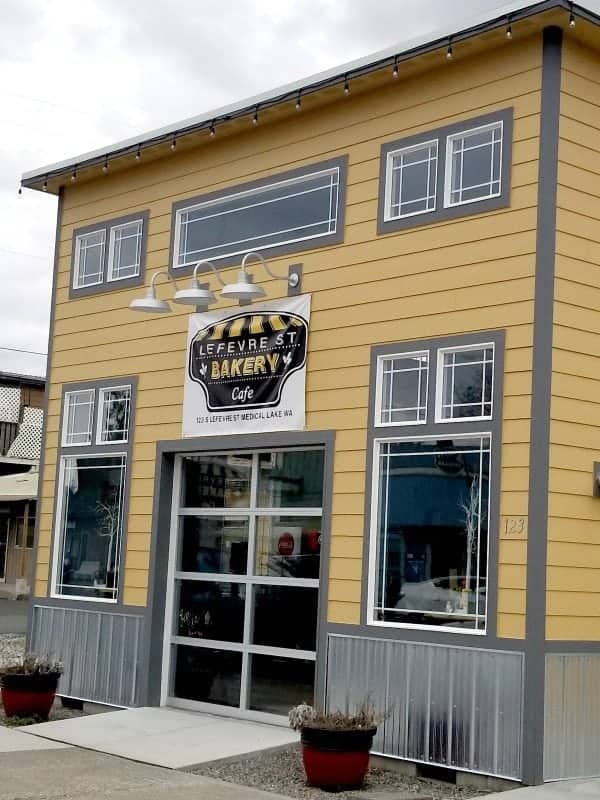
(559, 790)
(73, 774)
(13, 615)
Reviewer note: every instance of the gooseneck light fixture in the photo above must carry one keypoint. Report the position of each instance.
(244, 290)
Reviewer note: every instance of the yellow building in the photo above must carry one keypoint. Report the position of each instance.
(378, 475)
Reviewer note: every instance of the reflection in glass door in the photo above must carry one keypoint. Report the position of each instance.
(244, 563)
(4, 526)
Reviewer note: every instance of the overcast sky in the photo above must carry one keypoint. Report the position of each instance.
(79, 74)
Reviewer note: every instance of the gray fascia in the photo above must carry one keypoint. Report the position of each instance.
(364, 66)
(539, 452)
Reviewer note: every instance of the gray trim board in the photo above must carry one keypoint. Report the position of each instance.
(385, 59)
(89, 451)
(221, 262)
(106, 285)
(488, 640)
(441, 212)
(161, 525)
(539, 453)
(49, 349)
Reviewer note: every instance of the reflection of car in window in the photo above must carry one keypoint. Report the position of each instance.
(446, 594)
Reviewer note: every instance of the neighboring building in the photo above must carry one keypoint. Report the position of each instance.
(21, 416)
(411, 512)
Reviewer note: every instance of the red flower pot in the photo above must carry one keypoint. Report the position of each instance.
(336, 759)
(28, 695)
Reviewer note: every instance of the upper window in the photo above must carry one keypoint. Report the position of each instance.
(429, 177)
(287, 213)
(402, 389)
(465, 387)
(78, 417)
(113, 411)
(473, 162)
(411, 180)
(109, 254)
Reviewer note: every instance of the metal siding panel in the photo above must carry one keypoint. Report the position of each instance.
(449, 706)
(100, 652)
(572, 716)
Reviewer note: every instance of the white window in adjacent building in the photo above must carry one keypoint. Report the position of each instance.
(411, 180)
(89, 259)
(465, 383)
(284, 212)
(113, 414)
(401, 397)
(125, 250)
(474, 165)
(78, 417)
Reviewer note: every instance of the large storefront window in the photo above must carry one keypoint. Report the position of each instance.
(432, 524)
(91, 526)
(244, 579)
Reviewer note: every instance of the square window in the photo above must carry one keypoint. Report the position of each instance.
(113, 414)
(465, 383)
(125, 250)
(402, 389)
(474, 165)
(411, 180)
(89, 259)
(78, 417)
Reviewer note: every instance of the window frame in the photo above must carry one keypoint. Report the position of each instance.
(439, 384)
(108, 283)
(388, 216)
(378, 422)
(443, 211)
(76, 264)
(271, 251)
(93, 450)
(464, 427)
(448, 203)
(99, 414)
(110, 277)
(65, 418)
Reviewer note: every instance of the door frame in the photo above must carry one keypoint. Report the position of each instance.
(162, 514)
(3, 566)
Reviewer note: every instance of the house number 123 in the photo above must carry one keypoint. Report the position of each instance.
(514, 526)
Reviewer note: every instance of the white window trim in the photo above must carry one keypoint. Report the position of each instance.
(110, 277)
(65, 418)
(440, 382)
(78, 239)
(387, 214)
(58, 533)
(448, 203)
(379, 388)
(99, 411)
(373, 534)
(334, 172)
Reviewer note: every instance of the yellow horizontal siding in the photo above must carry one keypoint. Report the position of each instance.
(470, 274)
(573, 572)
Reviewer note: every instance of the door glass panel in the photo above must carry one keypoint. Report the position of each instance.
(210, 610)
(285, 616)
(214, 545)
(277, 683)
(288, 547)
(209, 676)
(217, 481)
(290, 479)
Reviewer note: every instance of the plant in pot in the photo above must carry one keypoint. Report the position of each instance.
(28, 687)
(335, 744)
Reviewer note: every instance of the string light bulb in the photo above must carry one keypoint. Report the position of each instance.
(255, 117)
(211, 130)
(299, 101)
(45, 185)
(174, 143)
(138, 155)
(571, 17)
(449, 52)
(509, 33)
(20, 191)
(346, 85)
(395, 71)
(74, 176)
(105, 165)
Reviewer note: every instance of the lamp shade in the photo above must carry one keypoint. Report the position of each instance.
(195, 295)
(150, 303)
(243, 290)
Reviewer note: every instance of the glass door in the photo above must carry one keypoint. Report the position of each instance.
(4, 528)
(244, 581)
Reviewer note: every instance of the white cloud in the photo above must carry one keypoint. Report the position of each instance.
(78, 74)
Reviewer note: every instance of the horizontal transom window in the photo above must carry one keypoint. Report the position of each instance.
(279, 214)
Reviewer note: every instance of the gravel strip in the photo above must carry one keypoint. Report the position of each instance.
(281, 772)
(12, 647)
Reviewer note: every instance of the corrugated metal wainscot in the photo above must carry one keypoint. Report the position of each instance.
(100, 652)
(451, 706)
(572, 716)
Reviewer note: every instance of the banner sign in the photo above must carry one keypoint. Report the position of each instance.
(246, 369)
